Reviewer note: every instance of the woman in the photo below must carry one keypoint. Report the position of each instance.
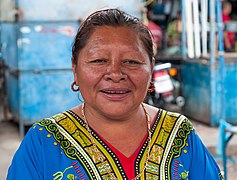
(113, 135)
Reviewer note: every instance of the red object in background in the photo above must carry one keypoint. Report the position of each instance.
(162, 82)
(231, 35)
(159, 74)
(156, 32)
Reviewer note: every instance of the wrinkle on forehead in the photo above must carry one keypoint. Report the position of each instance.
(109, 33)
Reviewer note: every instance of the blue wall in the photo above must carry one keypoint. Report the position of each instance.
(197, 91)
(39, 75)
(38, 45)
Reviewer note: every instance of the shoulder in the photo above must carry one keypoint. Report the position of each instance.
(48, 125)
(172, 120)
(174, 117)
(175, 123)
(52, 120)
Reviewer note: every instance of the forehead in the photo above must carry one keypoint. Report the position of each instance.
(110, 40)
(110, 32)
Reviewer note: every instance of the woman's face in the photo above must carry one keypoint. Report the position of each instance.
(113, 71)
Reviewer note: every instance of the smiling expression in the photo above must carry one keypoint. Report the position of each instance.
(113, 71)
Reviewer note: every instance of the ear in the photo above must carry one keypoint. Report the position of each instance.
(153, 63)
(73, 65)
(74, 70)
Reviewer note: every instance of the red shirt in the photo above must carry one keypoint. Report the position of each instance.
(127, 162)
(231, 35)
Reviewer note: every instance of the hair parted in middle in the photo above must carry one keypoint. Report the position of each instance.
(115, 18)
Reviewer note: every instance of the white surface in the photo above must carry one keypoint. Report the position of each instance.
(189, 28)
(196, 22)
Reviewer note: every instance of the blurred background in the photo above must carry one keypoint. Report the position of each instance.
(195, 72)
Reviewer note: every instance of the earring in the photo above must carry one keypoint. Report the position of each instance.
(73, 88)
(151, 87)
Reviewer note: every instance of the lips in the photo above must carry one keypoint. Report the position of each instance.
(115, 94)
(115, 91)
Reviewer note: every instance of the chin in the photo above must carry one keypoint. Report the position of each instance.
(118, 108)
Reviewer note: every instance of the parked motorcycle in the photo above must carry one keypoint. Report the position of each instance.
(167, 87)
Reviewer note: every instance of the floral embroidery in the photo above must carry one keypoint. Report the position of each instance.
(184, 173)
(59, 175)
(70, 177)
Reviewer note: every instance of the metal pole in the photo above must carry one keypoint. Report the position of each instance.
(212, 47)
(204, 19)
(183, 47)
(220, 28)
(17, 26)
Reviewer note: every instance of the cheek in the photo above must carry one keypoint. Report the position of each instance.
(141, 79)
(87, 77)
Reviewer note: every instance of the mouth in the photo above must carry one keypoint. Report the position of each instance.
(115, 91)
(116, 94)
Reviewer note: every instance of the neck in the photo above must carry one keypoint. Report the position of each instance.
(133, 119)
(125, 135)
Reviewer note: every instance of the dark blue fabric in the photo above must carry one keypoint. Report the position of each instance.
(38, 158)
(195, 162)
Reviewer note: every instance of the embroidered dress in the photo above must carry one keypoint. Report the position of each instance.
(60, 148)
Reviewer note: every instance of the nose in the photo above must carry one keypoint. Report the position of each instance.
(115, 73)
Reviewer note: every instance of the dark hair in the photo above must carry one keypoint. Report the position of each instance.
(115, 18)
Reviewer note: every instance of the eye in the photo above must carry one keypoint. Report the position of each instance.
(132, 61)
(98, 61)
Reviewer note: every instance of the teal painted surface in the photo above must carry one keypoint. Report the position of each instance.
(9, 44)
(45, 45)
(196, 89)
(45, 94)
(38, 46)
(33, 96)
(231, 92)
(12, 90)
(39, 75)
